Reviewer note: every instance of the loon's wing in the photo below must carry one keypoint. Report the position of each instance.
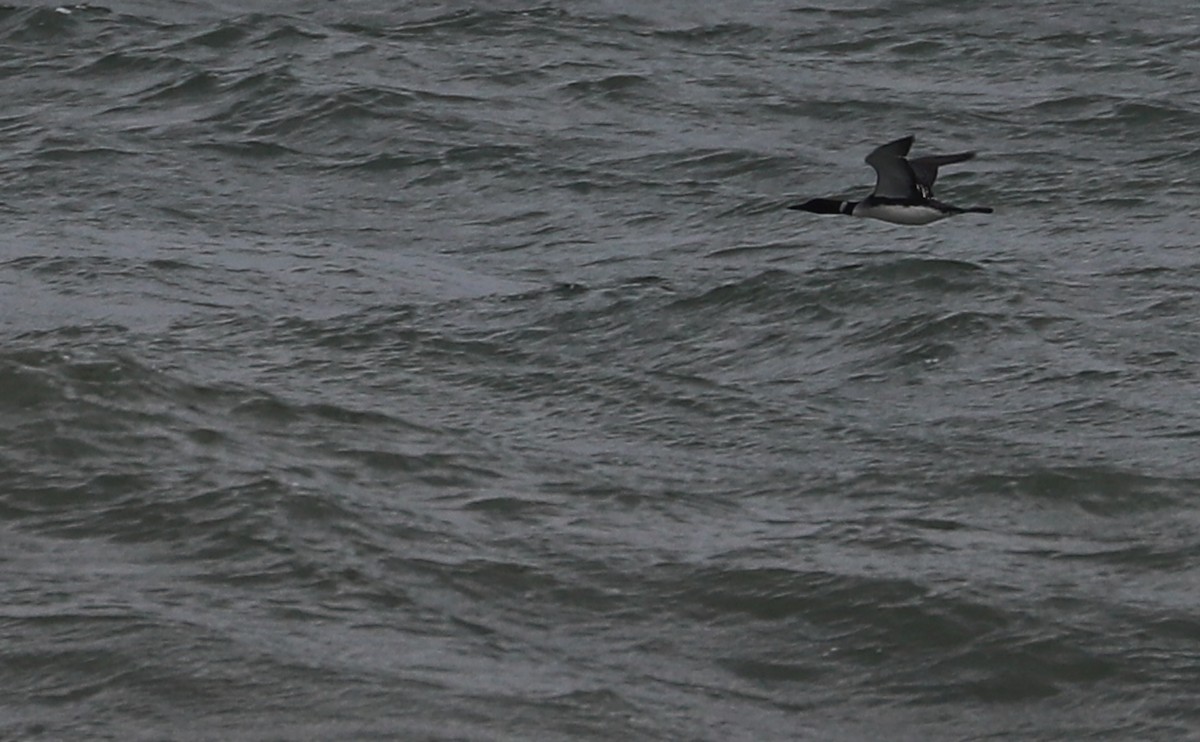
(893, 176)
(925, 169)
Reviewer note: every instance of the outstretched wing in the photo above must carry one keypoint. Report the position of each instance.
(893, 176)
(925, 169)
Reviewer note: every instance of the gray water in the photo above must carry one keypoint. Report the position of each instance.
(436, 371)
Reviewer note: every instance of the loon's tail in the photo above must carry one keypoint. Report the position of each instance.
(966, 209)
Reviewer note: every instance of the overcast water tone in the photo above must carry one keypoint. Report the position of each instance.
(450, 371)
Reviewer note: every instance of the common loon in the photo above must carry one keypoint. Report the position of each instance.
(903, 189)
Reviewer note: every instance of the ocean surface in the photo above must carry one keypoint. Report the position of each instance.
(450, 371)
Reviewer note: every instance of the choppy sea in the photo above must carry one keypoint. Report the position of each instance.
(450, 371)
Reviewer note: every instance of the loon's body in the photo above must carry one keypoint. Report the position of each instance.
(903, 189)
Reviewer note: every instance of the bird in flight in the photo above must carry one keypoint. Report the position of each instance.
(903, 189)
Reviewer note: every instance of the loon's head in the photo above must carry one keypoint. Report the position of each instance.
(824, 206)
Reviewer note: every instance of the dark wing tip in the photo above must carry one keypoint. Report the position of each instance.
(895, 148)
(939, 160)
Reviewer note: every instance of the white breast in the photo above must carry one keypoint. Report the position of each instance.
(899, 213)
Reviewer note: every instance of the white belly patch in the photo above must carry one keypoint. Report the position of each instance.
(899, 213)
